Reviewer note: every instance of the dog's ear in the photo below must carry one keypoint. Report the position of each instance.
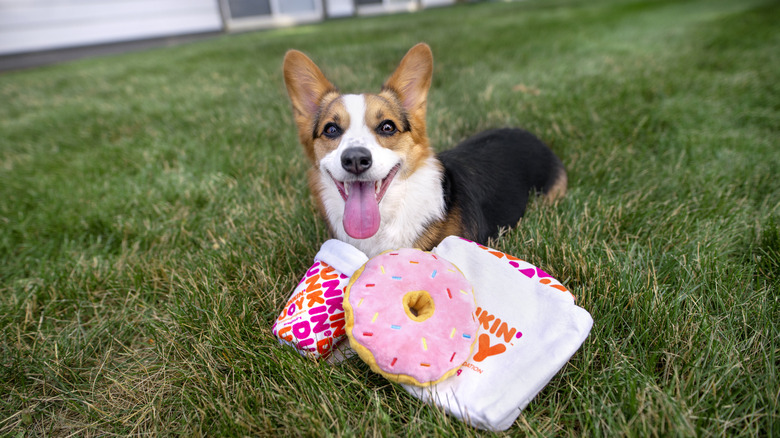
(306, 86)
(412, 79)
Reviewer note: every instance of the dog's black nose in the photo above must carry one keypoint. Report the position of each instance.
(356, 160)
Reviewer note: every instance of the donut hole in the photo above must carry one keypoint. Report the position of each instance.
(418, 305)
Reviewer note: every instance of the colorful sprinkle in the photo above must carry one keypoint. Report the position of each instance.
(374, 318)
(395, 359)
(453, 333)
(434, 274)
(395, 277)
(413, 262)
(382, 268)
(453, 356)
(463, 292)
(368, 334)
(425, 344)
(395, 327)
(425, 364)
(360, 302)
(467, 336)
(370, 285)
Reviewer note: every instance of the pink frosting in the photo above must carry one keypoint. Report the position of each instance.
(426, 350)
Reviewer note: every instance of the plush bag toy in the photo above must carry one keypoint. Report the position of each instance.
(529, 328)
(313, 318)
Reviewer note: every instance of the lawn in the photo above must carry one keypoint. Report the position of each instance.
(154, 218)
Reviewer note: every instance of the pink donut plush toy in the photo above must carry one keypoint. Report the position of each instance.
(410, 316)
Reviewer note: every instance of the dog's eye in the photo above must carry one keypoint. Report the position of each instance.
(331, 130)
(387, 127)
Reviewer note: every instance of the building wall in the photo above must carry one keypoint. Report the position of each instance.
(435, 3)
(243, 15)
(29, 26)
(371, 7)
(36, 25)
(340, 8)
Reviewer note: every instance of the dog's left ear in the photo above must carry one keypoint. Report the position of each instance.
(306, 86)
(412, 79)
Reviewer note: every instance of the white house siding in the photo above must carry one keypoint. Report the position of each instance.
(434, 3)
(371, 7)
(340, 8)
(374, 7)
(35, 25)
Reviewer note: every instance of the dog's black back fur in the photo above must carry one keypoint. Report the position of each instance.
(488, 178)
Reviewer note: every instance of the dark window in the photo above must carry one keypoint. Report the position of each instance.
(249, 8)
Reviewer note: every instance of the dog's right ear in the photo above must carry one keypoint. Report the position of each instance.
(412, 79)
(306, 86)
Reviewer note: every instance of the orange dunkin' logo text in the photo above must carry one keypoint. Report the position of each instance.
(499, 335)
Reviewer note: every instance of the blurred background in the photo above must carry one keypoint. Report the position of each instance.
(36, 32)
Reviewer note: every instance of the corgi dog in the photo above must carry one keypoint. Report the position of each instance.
(377, 181)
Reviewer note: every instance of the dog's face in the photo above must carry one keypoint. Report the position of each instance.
(362, 146)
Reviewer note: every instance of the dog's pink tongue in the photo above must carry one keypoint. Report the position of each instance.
(361, 214)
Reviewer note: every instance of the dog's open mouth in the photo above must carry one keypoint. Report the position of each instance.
(361, 209)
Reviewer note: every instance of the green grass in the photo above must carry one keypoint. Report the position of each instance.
(154, 217)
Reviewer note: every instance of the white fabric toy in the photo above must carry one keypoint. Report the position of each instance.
(529, 328)
(312, 320)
